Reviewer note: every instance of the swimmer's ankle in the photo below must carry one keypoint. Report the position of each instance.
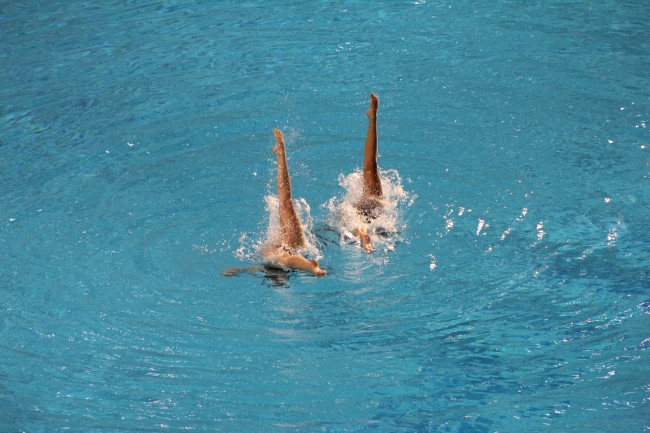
(278, 149)
(374, 106)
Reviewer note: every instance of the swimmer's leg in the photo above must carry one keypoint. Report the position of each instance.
(291, 232)
(372, 191)
(371, 179)
(364, 237)
(295, 261)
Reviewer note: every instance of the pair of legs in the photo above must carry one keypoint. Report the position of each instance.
(291, 236)
(370, 203)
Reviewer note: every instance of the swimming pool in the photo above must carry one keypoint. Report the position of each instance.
(136, 158)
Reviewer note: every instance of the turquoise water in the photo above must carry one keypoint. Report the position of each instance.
(135, 160)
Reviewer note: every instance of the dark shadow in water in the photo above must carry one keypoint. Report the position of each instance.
(274, 276)
(326, 236)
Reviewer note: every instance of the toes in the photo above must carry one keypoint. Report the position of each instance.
(279, 137)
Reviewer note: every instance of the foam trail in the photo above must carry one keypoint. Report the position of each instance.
(344, 216)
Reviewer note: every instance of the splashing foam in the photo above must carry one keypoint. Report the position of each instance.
(246, 251)
(252, 250)
(433, 265)
(481, 225)
(344, 216)
(273, 230)
(540, 231)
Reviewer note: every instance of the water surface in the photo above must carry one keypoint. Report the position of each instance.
(135, 157)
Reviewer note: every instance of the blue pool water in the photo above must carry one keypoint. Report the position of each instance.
(135, 159)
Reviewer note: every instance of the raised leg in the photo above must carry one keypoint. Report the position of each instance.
(292, 236)
(371, 180)
(291, 233)
(372, 192)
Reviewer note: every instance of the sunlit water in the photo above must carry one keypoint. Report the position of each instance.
(510, 294)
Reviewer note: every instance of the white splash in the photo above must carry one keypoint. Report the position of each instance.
(481, 226)
(524, 212)
(449, 224)
(251, 248)
(433, 264)
(612, 235)
(344, 216)
(246, 249)
(540, 231)
(273, 230)
(519, 219)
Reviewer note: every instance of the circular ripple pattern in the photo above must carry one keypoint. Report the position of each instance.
(135, 159)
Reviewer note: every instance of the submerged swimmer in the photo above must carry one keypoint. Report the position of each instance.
(291, 238)
(370, 205)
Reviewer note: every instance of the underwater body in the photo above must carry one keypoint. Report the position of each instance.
(509, 292)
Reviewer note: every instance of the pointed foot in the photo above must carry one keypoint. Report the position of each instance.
(364, 237)
(374, 106)
(315, 269)
(278, 149)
